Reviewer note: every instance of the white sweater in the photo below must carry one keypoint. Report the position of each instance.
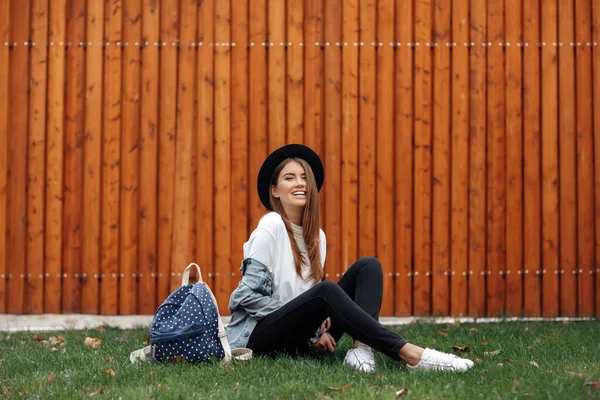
(270, 244)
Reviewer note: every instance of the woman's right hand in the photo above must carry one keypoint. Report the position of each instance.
(325, 343)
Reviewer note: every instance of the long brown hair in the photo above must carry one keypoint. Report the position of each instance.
(311, 222)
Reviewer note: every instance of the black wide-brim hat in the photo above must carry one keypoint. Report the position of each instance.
(263, 184)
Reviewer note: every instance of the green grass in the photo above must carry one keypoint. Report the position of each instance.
(567, 355)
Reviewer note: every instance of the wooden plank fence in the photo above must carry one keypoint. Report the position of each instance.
(461, 142)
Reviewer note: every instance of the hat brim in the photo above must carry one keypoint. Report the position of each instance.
(263, 184)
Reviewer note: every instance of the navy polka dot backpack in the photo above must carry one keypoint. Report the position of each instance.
(187, 327)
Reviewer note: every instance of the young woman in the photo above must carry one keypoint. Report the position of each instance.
(281, 305)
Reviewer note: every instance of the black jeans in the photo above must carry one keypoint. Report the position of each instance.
(353, 305)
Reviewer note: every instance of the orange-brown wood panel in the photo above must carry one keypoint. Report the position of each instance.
(385, 145)
(258, 103)
(17, 156)
(222, 194)
(477, 158)
(367, 167)
(54, 158)
(459, 169)
(585, 154)
(440, 299)
(295, 72)
(567, 126)
(74, 136)
(4, 107)
(169, 33)
(146, 295)
(313, 78)
(130, 157)
(240, 181)
(532, 158)
(332, 151)
(205, 137)
(514, 159)
(404, 93)
(182, 243)
(349, 140)
(277, 71)
(596, 100)
(496, 162)
(422, 158)
(35, 158)
(550, 205)
(92, 156)
(111, 158)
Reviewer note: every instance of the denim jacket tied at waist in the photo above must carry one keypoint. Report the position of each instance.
(250, 302)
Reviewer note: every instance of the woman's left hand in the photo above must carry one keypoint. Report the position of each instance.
(325, 343)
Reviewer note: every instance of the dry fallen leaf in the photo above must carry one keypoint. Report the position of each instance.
(92, 342)
(491, 353)
(382, 377)
(579, 374)
(38, 338)
(121, 340)
(5, 390)
(529, 347)
(534, 364)
(514, 383)
(151, 373)
(442, 333)
(478, 361)
(51, 378)
(0, 363)
(109, 358)
(507, 359)
(100, 328)
(483, 341)
(100, 390)
(593, 385)
(323, 396)
(342, 389)
(237, 385)
(473, 330)
(464, 349)
(374, 387)
(110, 372)
(500, 364)
(159, 386)
(56, 339)
(401, 392)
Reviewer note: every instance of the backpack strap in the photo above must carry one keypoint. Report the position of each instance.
(237, 354)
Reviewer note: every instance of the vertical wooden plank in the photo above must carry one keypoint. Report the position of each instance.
(313, 84)
(349, 141)
(148, 159)
(130, 154)
(111, 158)
(459, 234)
(169, 32)
(182, 249)
(496, 162)
(92, 149)
(568, 159)
(422, 160)
(441, 158)
(74, 135)
(205, 138)
(17, 156)
(333, 149)
(550, 227)
(477, 158)
(258, 102)
(36, 157)
(54, 158)
(585, 154)
(222, 192)
(596, 92)
(531, 148)
(384, 147)
(240, 181)
(277, 67)
(295, 72)
(514, 159)
(403, 81)
(366, 128)
(4, 101)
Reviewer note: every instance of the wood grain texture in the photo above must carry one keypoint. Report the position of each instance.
(4, 134)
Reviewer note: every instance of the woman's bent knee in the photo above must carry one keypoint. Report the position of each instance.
(370, 262)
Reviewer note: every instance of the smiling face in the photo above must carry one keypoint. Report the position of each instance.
(291, 188)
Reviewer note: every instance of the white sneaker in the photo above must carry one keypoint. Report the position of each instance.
(361, 358)
(433, 360)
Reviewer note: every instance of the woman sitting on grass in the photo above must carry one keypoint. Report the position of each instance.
(281, 305)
